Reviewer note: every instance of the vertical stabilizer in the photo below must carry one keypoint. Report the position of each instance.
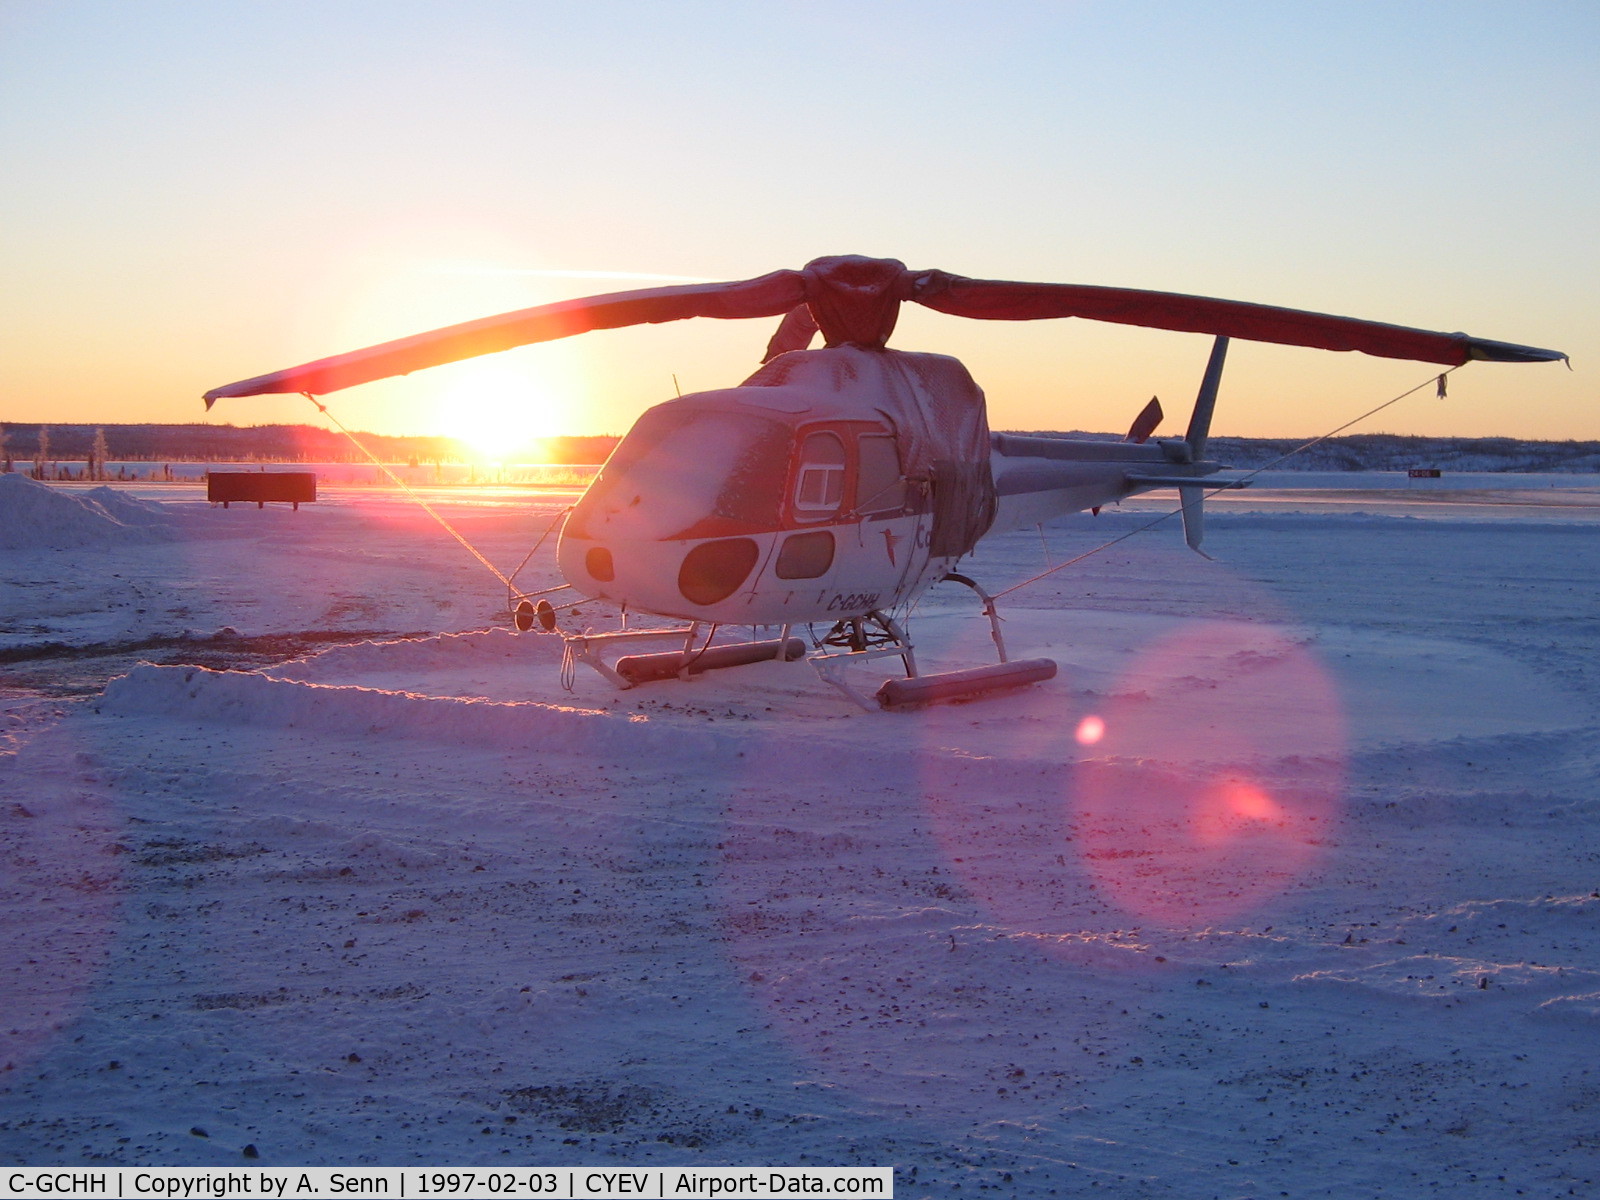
(1206, 402)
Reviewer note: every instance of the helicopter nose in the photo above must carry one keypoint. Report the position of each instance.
(713, 571)
(677, 578)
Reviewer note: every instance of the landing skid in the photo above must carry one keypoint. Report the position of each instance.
(693, 658)
(877, 636)
(851, 641)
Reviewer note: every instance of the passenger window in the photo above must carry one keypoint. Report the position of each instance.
(880, 487)
(819, 486)
(805, 555)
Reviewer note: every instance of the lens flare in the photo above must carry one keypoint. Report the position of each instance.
(1217, 778)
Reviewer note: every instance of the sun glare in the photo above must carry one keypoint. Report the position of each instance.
(500, 409)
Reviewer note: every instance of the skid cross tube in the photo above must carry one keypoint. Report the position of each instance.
(893, 641)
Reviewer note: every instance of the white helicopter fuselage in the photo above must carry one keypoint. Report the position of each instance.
(833, 484)
(871, 568)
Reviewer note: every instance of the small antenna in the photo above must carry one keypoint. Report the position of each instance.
(675, 386)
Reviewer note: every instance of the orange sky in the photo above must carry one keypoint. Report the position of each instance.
(197, 194)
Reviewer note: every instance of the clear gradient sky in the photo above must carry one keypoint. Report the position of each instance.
(193, 193)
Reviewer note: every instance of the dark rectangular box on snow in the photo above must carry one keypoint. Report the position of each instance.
(1424, 473)
(287, 487)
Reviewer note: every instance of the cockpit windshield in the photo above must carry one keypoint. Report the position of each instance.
(687, 472)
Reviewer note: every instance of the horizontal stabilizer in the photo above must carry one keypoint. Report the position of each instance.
(1187, 481)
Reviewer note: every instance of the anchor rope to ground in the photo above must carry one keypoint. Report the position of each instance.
(505, 579)
(511, 592)
(1437, 381)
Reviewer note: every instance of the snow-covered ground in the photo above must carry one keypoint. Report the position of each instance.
(1288, 884)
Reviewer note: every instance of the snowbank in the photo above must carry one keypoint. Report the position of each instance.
(35, 516)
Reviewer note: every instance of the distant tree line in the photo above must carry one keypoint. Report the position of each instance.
(1395, 452)
(43, 446)
(1399, 452)
(90, 444)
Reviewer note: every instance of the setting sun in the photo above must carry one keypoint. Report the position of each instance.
(500, 408)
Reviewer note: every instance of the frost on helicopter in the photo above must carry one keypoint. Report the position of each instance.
(837, 485)
(829, 482)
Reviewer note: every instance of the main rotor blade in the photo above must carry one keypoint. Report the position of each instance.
(854, 298)
(765, 296)
(998, 300)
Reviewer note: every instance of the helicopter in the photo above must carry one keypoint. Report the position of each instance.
(837, 485)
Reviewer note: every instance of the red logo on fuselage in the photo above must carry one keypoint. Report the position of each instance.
(891, 539)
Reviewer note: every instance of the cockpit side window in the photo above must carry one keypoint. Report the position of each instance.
(819, 481)
(880, 487)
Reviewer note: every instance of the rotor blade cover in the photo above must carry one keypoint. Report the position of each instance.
(998, 300)
(767, 296)
(794, 332)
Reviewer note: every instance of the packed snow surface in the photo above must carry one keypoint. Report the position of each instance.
(1287, 884)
